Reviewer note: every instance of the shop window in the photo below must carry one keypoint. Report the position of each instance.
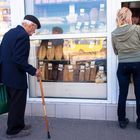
(73, 61)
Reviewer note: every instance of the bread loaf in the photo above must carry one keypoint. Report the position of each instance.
(82, 73)
(50, 51)
(58, 52)
(66, 73)
(42, 51)
(49, 71)
(93, 69)
(60, 72)
(42, 67)
(87, 72)
(55, 72)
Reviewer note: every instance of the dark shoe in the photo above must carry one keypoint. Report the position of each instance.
(27, 127)
(138, 124)
(123, 123)
(22, 133)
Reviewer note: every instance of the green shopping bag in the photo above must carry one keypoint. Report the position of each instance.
(4, 100)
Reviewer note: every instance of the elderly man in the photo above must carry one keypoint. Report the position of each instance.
(15, 48)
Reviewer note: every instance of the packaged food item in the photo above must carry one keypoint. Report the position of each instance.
(100, 77)
(87, 72)
(55, 72)
(42, 67)
(93, 69)
(50, 71)
(50, 51)
(68, 73)
(60, 72)
(46, 73)
(76, 73)
(82, 73)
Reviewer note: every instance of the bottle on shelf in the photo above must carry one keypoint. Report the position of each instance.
(82, 21)
(102, 18)
(93, 18)
(72, 18)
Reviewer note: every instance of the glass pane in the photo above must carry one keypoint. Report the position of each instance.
(71, 61)
(5, 16)
(73, 16)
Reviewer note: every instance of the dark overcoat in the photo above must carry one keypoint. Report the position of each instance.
(15, 47)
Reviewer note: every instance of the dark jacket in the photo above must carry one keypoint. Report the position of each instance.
(15, 48)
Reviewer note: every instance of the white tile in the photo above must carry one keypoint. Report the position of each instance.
(130, 112)
(93, 111)
(37, 109)
(111, 113)
(66, 110)
(51, 110)
(28, 109)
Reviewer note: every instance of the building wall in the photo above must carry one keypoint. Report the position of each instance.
(93, 111)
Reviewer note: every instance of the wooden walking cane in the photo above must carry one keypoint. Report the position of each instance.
(44, 107)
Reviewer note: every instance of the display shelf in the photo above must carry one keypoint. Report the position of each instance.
(55, 61)
(67, 36)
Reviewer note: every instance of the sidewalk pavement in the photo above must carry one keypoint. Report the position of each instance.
(74, 129)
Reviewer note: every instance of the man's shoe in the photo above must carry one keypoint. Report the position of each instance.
(22, 133)
(123, 123)
(27, 127)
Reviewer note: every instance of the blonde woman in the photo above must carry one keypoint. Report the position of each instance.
(126, 45)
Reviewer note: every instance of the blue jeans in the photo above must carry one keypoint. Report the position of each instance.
(125, 70)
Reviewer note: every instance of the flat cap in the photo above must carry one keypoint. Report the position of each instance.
(33, 19)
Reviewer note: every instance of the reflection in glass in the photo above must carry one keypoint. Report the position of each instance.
(73, 16)
(5, 16)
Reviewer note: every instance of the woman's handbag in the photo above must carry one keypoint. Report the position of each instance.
(4, 100)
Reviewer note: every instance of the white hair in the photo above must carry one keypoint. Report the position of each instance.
(25, 21)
